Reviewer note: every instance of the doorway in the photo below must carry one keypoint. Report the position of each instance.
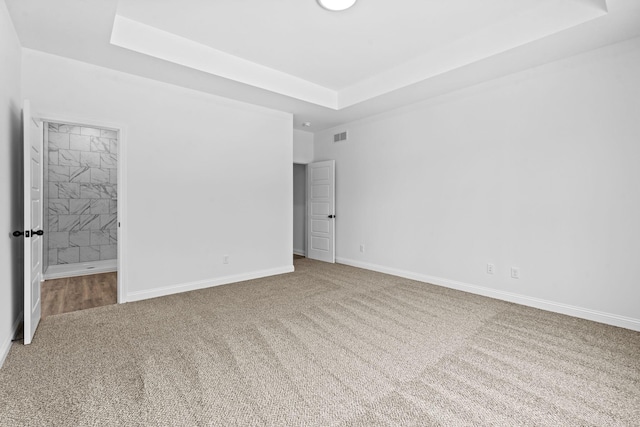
(80, 199)
(80, 207)
(300, 209)
(314, 210)
(39, 152)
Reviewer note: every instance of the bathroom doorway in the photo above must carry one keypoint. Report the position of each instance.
(80, 207)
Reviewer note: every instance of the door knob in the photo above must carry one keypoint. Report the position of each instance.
(332, 216)
(27, 233)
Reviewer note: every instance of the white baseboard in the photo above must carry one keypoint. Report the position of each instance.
(300, 252)
(570, 310)
(80, 269)
(6, 345)
(192, 286)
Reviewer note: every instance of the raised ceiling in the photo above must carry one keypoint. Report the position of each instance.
(325, 67)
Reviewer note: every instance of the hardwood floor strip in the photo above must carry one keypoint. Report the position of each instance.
(78, 293)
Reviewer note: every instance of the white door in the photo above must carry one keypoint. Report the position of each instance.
(321, 211)
(33, 169)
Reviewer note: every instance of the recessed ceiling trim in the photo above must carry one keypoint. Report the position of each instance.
(538, 20)
(142, 38)
(547, 18)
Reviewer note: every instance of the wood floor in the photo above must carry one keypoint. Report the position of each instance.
(78, 293)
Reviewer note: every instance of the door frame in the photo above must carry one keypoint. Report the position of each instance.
(47, 116)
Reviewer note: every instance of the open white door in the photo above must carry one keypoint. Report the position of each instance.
(321, 211)
(33, 171)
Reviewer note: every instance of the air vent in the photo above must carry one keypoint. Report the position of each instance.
(340, 137)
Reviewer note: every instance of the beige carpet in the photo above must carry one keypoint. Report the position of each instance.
(328, 345)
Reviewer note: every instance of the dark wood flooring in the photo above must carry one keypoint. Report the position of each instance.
(78, 293)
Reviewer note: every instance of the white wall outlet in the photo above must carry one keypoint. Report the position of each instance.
(362, 248)
(491, 268)
(515, 272)
(225, 259)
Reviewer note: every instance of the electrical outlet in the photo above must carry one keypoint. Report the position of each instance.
(225, 259)
(491, 268)
(515, 272)
(362, 248)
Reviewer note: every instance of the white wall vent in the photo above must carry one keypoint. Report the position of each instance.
(340, 136)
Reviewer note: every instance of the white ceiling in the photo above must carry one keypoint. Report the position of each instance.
(330, 49)
(325, 67)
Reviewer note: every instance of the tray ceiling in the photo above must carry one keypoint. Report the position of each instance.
(324, 67)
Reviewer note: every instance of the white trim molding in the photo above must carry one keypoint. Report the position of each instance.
(555, 307)
(6, 345)
(203, 284)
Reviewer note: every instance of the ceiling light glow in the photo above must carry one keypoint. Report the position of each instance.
(336, 5)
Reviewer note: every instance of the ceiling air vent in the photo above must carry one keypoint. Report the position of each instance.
(340, 137)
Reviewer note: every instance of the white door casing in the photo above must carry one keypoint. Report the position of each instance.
(321, 211)
(33, 181)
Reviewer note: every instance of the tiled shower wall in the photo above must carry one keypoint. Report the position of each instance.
(81, 193)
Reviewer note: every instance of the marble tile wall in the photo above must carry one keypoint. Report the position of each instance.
(82, 193)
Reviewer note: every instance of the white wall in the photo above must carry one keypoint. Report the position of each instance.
(538, 170)
(299, 208)
(302, 146)
(187, 198)
(10, 172)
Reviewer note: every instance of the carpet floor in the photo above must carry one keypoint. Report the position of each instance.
(328, 345)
